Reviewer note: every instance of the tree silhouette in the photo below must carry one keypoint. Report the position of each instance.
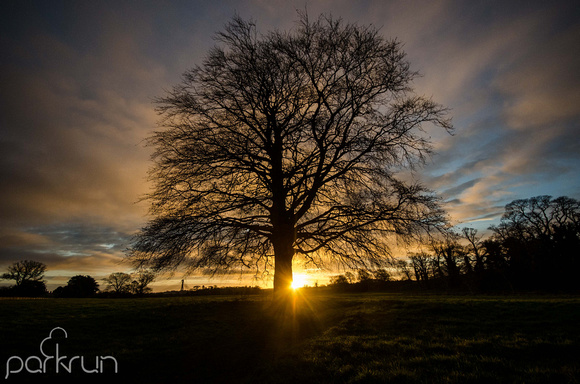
(537, 242)
(288, 145)
(78, 286)
(118, 282)
(423, 266)
(475, 248)
(25, 271)
(140, 284)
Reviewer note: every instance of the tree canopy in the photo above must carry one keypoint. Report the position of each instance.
(78, 286)
(25, 271)
(288, 144)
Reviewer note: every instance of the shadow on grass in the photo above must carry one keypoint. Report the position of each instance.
(236, 341)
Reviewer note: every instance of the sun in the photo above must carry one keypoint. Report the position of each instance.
(298, 281)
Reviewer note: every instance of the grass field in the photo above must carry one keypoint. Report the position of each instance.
(334, 338)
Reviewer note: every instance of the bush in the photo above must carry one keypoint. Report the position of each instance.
(78, 286)
(28, 288)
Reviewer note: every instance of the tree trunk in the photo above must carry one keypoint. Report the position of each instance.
(284, 232)
(283, 254)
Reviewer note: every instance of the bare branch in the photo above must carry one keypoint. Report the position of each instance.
(287, 143)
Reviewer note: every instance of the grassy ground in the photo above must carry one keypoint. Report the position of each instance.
(335, 338)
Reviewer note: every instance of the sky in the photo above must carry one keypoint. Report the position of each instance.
(78, 79)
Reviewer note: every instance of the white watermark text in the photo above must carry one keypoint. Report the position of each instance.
(53, 359)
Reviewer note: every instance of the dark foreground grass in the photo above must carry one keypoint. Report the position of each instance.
(329, 338)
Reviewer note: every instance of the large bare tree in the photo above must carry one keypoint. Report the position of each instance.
(285, 145)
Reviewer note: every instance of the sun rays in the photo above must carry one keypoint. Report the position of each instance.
(298, 281)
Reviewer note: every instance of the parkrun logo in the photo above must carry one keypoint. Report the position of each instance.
(52, 359)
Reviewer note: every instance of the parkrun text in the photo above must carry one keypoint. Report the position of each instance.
(52, 360)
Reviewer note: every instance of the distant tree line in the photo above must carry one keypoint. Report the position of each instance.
(535, 247)
(28, 276)
(212, 291)
(362, 280)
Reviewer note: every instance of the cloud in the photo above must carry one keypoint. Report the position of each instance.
(67, 250)
(512, 90)
(457, 190)
(73, 147)
(544, 88)
(59, 242)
